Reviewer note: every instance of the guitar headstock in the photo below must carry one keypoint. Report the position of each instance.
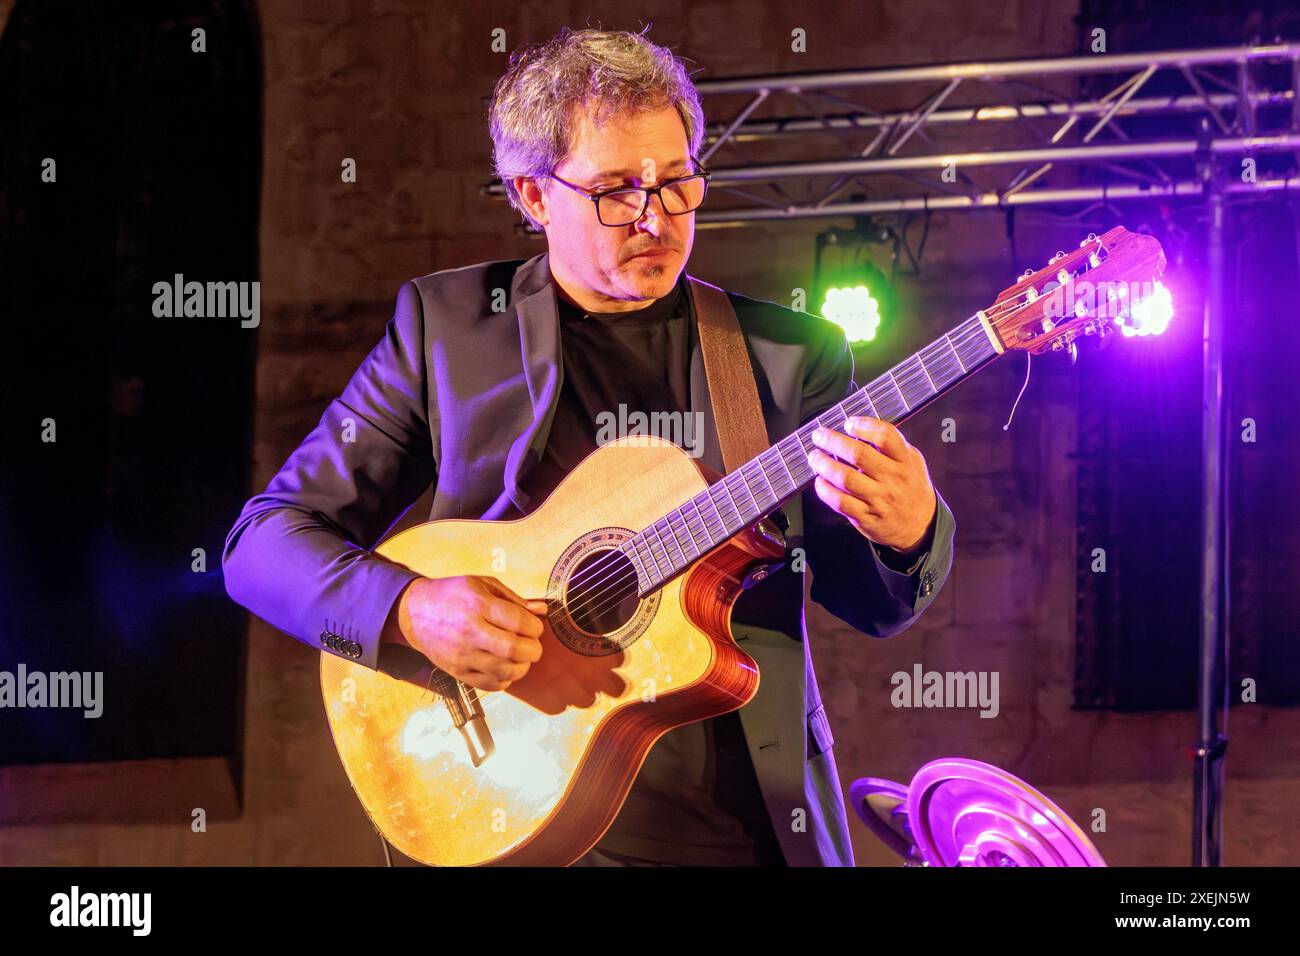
(1087, 291)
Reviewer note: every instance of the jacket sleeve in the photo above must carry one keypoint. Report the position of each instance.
(298, 556)
(868, 586)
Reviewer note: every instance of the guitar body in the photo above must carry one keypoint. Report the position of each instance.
(564, 744)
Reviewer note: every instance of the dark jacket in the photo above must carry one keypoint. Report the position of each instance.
(459, 394)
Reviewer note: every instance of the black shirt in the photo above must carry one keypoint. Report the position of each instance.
(696, 800)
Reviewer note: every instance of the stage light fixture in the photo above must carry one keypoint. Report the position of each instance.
(854, 309)
(850, 289)
(1149, 315)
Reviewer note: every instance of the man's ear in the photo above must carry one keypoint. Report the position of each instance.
(532, 198)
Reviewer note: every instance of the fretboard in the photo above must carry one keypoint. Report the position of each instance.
(667, 547)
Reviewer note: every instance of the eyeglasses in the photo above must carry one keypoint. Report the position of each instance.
(624, 205)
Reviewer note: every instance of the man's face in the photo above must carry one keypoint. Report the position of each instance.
(630, 265)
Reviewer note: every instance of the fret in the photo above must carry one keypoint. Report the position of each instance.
(675, 541)
(692, 540)
(898, 389)
(936, 367)
(676, 538)
(838, 418)
(763, 507)
(755, 508)
(769, 471)
(800, 457)
(804, 438)
(652, 572)
(721, 526)
(662, 554)
(955, 354)
(974, 342)
(661, 528)
(642, 575)
(689, 532)
(699, 520)
(884, 403)
(920, 360)
(650, 546)
(793, 484)
(910, 377)
(727, 523)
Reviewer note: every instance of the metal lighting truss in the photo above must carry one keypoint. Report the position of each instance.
(1046, 130)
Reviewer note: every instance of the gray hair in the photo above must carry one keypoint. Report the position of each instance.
(531, 115)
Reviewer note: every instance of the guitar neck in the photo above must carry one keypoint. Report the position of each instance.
(673, 543)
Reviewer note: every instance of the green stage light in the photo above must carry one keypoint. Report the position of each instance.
(854, 309)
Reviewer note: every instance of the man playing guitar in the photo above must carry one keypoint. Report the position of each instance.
(595, 136)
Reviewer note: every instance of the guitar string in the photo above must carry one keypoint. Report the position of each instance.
(950, 375)
(906, 380)
(971, 330)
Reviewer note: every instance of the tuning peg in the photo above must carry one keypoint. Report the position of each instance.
(1073, 349)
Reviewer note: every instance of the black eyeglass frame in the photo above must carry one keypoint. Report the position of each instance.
(646, 191)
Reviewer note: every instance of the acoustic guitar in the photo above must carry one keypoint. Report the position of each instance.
(640, 554)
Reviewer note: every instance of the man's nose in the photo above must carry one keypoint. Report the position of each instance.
(653, 221)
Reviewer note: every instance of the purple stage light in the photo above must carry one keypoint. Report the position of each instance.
(1149, 315)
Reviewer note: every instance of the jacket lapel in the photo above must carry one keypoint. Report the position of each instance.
(539, 342)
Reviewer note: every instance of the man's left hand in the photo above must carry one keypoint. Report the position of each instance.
(876, 480)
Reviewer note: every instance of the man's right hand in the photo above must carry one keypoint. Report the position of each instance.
(473, 627)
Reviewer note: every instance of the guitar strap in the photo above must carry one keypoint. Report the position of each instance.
(742, 434)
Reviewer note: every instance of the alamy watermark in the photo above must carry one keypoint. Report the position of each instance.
(685, 429)
(75, 908)
(208, 300)
(1100, 300)
(948, 689)
(82, 690)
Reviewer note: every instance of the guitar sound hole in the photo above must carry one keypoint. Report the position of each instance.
(602, 592)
